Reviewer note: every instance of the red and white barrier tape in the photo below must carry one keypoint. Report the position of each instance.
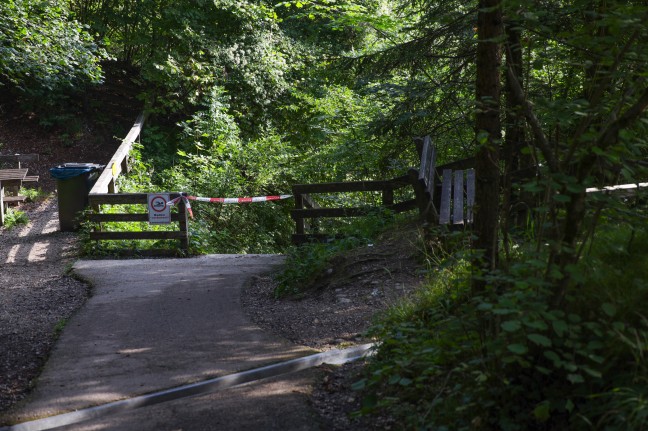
(186, 198)
(239, 200)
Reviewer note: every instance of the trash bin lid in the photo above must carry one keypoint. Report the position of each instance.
(70, 170)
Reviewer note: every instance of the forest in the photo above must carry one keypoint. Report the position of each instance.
(532, 319)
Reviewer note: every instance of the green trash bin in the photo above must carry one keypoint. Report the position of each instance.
(73, 183)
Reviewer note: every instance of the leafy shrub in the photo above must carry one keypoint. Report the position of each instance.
(14, 218)
(33, 195)
(509, 360)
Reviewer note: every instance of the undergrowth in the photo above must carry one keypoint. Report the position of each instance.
(33, 195)
(305, 262)
(14, 217)
(507, 360)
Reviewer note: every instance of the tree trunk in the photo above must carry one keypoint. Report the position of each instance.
(488, 132)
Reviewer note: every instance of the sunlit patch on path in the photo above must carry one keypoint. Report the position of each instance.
(37, 241)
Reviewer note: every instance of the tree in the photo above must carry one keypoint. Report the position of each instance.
(44, 50)
(586, 125)
(488, 133)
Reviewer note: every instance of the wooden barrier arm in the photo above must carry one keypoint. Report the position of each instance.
(118, 163)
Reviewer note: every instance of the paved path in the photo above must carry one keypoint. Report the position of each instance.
(159, 323)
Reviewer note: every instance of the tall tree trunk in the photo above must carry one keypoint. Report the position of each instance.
(488, 132)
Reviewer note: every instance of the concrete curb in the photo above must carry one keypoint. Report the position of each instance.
(334, 357)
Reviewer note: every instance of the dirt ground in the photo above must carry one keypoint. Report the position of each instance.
(337, 310)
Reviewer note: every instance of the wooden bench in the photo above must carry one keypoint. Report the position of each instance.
(15, 161)
(13, 199)
(445, 194)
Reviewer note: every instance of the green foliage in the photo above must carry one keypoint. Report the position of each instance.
(33, 195)
(14, 217)
(185, 49)
(509, 359)
(43, 50)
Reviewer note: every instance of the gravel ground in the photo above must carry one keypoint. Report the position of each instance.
(36, 296)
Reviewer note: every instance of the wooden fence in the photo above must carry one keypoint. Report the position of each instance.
(105, 192)
(306, 207)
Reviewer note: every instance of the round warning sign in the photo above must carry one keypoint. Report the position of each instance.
(158, 209)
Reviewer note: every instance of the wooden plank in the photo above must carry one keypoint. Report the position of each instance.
(114, 166)
(137, 217)
(446, 189)
(459, 164)
(388, 197)
(300, 213)
(419, 190)
(184, 226)
(153, 235)
(30, 178)
(470, 194)
(458, 198)
(117, 198)
(299, 221)
(12, 174)
(430, 175)
(10, 199)
(123, 198)
(404, 206)
(399, 182)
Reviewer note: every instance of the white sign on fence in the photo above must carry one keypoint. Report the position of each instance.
(158, 210)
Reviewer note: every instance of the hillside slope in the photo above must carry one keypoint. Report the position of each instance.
(89, 133)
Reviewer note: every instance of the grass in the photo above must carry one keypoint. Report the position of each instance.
(58, 328)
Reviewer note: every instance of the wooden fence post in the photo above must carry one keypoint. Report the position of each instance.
(184, 226)
(299, 221)
(388, 196)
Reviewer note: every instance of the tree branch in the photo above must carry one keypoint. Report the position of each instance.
(540, 137)
(611, 132)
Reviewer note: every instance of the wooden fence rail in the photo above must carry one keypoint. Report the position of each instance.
(119, 161)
